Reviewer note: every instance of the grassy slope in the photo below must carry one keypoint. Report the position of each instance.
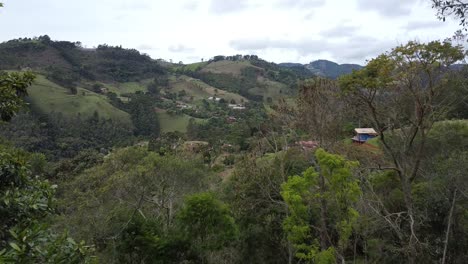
(227, 67)
(194, 66)
(269, 88)
(266, 88)
(49, 97)
(171, 123)
(200, 90)
(127, 87)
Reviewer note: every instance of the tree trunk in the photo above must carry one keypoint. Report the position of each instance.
(324, 243)
(447, 233)
(408, 197)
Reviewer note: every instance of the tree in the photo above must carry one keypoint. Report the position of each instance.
(97, 88)
(455, 8)
(153, 88)
(322, 210)
(402, 94)
(321, 112)
(207, 222)
(143, 115)
(253, 193)
(13, 87)
(25, 201)
(131, 188)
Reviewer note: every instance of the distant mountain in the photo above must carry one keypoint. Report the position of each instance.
(290, 64)
(325, 68)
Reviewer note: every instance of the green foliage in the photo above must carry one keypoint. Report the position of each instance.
(25, 201)
(106, 63)
(58, 136)
(12, 90)
(331, 182)
(130, 183)
(167, 143)
(145, 240)
(143, 115)
(68, 79)
(36, 244)
(207, 222)
(253, 193)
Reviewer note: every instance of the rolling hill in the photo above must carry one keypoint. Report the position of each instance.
(324, 68)
(105, 75)
(48, 97)
(198, 90)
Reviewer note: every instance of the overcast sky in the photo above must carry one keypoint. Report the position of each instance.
(345, 31)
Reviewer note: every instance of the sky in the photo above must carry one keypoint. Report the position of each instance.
(345, 31)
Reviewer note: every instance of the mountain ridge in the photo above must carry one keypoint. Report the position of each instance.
(325, 68)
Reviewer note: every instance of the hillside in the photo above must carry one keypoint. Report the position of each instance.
(252, 78)
(324, 68)
(74, 63)
(228, 67)
(195, 89)
(49, 97)
(77, 81)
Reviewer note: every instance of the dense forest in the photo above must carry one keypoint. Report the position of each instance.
(110, 156)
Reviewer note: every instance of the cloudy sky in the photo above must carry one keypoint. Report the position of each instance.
(346, 31)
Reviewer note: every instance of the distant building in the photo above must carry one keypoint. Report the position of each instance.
(239, 107)
(183, 106)
(236, 106)
(364, 134)
(217, 99)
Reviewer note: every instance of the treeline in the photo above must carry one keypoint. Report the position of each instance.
(105, 63)
(61, 137)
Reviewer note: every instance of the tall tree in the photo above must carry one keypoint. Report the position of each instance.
(402, 94)
(455, 8)
(207, 222)
(13, 87)
(320, 110)
(322, 208)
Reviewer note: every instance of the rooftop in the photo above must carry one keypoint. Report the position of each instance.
(365, 131)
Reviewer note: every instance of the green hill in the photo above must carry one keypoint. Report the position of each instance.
(248, 76)
(199, 90)
(228, 67)
(48, 97)
(73, 63)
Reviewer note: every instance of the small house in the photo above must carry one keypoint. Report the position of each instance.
(214, 98)
(239, 107)
(364, 134)
(236, 106)
(183, 106)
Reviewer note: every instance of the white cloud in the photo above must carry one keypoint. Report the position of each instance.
(339, 31)
(300, 3)
(416, 25)
(145, 47)
(227, 6)
(180, 48)
(390, 8)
